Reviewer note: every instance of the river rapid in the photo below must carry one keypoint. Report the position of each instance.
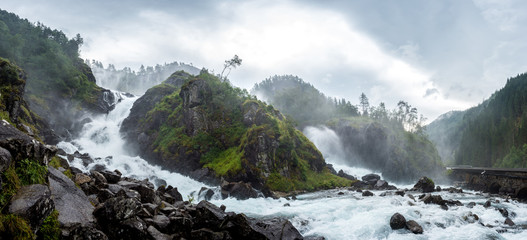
(333, 214)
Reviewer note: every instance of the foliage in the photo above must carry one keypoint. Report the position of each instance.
(50, 228)
(494, 133)
(49, 58)
(30, 172)
(10, 185)
(517, 158)
(15, 227)
(290, 94)
(230, 64)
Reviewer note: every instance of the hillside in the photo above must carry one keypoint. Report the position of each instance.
(379, 139)
(495, 132)
(204, 127)
(60, 86)
(290, 94)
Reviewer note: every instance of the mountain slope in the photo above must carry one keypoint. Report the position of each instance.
(492, 134)
(59, 85)
(202, 126)
(377, 140)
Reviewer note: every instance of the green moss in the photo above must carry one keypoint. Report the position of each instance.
(10, 185)
(15, 227)
(50, 228)
(5, 115)
(228, 162)
(31, 172)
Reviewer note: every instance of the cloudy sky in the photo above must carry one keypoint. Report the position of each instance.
(437, 55)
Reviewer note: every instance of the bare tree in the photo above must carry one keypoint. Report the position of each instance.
(230, 64)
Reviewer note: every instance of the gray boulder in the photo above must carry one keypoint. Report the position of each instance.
(32, 203)
(72, 203)
(397, 221)
(414, 227)
(5, 159)
(424, 184)
(371, 178)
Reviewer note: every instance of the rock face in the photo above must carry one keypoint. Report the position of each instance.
(72, 204)
(33, 203)
(22, 146)
(205, 128)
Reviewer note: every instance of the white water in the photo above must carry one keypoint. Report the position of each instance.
(324, 213)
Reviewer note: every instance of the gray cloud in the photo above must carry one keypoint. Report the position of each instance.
(459, 52)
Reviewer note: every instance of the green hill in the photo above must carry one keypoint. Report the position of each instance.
(59, 84)
(195, 123)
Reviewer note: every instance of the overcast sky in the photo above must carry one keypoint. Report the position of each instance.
(437, 55)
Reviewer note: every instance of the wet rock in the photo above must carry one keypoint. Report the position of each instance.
(397, 221)
(438, 189)
(208, 215)
(99, 178)
(380, 184)
(242, 227)
(503, 212)
(22, 146)
(207, 234)
(424, 184)
(104, 194)
(81, 178)
(367, 193)
(131, 228)
(173, 192)
(117, 209)
(206, 193)
(487, 204)
(72, 203)
(148, 195)
(128, 193)
(444, 207)
(156, 234)
(414, 227)
(161, 222)
(400, 193)
(435, 199)
(287, 205)
(32, 203)
(470, 217)
(330, 167)
(111, 177)
(471, 204)
(371, 178)
(345, 175)
(509, 222)
(88, 233)
(238, 190)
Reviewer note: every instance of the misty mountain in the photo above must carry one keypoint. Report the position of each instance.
(126, 80)
(390, 141)
(492, 134)
(60, 87)
(290, 94)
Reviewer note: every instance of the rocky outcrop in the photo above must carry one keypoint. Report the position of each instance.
(203, 127)
(33, 203)
(72, 204)
(22, 146)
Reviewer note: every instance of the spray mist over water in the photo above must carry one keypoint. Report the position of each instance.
(331, 147)
(101, 139)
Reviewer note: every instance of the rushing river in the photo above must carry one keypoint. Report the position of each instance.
(334, 214)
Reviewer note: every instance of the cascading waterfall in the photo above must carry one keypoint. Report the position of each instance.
(334, 214)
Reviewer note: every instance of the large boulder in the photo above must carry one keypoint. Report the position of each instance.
(71, 202)
(243, 227)
(33, 203)
(414, 227)
(371, 178)
(239, 190)
(397, 221)
(424, 184)
(22, 146)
